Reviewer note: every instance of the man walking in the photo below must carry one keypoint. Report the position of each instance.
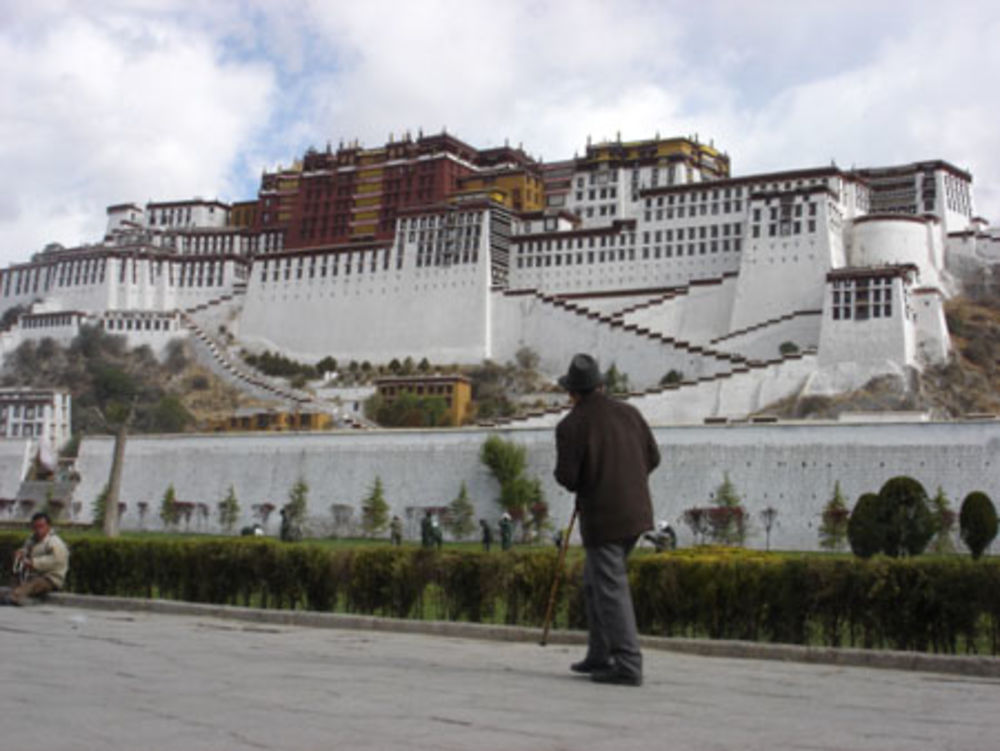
(605, 452)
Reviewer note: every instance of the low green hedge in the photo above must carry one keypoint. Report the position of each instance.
(939, 604)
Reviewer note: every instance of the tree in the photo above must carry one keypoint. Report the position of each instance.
(833, 524)
(944, 523)
(408, 411)
(728, 517)
(374, 510)
(327, 365)
(537, 506)
(615, 381)
(906, 518)
(229, 510)
(505, 459)
(863, 530)
(697, 520)
(100, 503)
(295, 509)
(519, 494)
(527, 359)
(788, 348)
(672, 377)
(977, 521)
(896, 521)
(169, 415)
(10, 316)
(176, 356)
(170, 515)
(460, 520)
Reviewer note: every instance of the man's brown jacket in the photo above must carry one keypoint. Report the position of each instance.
(605, 452)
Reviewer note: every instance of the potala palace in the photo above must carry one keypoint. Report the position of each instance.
(647, 253)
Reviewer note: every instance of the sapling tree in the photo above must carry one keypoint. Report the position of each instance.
(460, 519)
(229, 510)
(833, 521)
(374, 510)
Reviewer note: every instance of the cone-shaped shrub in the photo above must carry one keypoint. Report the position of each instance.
(906, 517)
(978, 522)
(864, 530)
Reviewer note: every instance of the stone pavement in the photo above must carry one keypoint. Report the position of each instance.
(76, 678)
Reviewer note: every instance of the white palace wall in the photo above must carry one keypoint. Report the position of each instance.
(15, 458)
(440, 313)
(888, 240)
(557, 333)
(700, 314)
(792, 467)
(786, 274)
(764, 342)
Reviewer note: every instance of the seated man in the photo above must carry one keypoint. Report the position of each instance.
(42, 562)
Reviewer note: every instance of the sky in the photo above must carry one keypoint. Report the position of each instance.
(115, 101)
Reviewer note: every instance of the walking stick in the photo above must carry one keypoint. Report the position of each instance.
(555, 580)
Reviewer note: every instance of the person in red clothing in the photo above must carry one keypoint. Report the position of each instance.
(605, 453)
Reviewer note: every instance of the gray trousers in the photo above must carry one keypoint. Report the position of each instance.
(612, 633)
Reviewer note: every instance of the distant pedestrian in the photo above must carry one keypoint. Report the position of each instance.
(487, 534)
(605, 452)
(285, 530)
(427, 531)
(506, 532)
(437, 532)
(396, 530)
(430, 531)
(664, 538)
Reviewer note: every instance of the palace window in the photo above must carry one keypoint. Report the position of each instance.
(861, 299)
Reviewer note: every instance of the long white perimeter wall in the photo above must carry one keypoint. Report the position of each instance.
(792, 467)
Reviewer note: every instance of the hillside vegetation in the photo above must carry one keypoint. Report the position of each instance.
(968, 384)
(178, 395)
(101, 373)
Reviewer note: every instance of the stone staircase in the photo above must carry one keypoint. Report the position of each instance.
(614, 321)
(680, 392)
(217, 356)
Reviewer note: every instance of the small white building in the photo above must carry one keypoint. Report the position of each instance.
(41, 414)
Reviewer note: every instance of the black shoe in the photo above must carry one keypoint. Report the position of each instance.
(616, 676)
(589, 666)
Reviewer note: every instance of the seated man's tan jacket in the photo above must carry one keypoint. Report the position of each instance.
(49, 558)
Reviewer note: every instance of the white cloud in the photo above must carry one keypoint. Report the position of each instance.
(118, 109)
(140, 99)
(920, 97)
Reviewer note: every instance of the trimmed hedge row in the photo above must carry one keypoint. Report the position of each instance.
(389, 581)
(940, 604)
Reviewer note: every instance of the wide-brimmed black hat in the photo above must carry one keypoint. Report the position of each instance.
(583, 374)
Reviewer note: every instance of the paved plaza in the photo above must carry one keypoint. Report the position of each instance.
(78, 678)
